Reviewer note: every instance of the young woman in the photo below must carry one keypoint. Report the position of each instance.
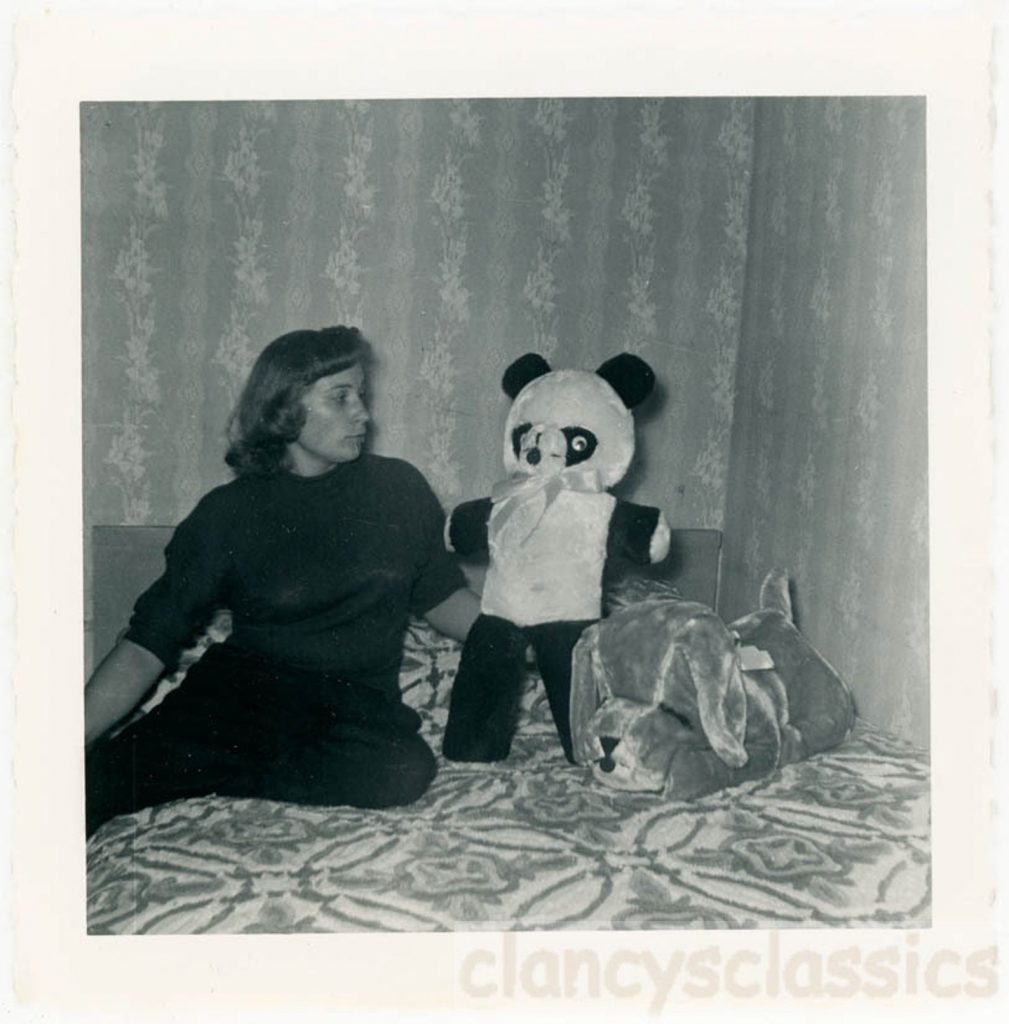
(321, 552)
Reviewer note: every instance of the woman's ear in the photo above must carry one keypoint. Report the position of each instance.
(629, 376)
(525, 369)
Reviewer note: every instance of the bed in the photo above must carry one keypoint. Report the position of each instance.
(531, 843)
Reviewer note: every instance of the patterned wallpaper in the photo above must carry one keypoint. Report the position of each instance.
(459, 234)
(829, 452)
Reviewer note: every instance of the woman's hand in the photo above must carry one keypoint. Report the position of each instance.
(455, 614)
(116, 687)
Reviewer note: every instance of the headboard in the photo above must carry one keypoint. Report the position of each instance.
(125, 560)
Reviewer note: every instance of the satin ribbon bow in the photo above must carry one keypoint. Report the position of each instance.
(523, 500)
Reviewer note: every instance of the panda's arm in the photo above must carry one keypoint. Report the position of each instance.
(466, 527)
(637, 532)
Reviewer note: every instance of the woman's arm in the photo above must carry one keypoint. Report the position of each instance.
(116, 686)
(455, 614)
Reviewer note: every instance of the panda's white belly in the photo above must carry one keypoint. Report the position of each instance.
(554, 572)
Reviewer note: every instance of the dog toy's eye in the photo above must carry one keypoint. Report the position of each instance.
(579, 444)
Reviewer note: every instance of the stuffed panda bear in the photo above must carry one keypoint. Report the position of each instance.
(548, 528)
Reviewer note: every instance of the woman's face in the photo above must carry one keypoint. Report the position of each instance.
(335, 423)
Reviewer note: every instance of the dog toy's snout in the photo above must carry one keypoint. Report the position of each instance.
(609, 743)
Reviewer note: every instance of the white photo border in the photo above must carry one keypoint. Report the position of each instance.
(63, 60)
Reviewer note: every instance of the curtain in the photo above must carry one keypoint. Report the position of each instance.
(829, 463)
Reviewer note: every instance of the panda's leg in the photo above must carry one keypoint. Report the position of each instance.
(485, 694)
(554, 643)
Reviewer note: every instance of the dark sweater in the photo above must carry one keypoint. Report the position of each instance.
(320, 573)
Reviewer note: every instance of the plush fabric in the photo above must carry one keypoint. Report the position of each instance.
(655, 677)
(546, 563)
(548, 531)
(662, 699)
(574, 398)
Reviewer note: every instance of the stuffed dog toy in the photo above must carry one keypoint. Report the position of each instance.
(667, 698)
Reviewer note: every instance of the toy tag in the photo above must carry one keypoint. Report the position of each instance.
(753, 658)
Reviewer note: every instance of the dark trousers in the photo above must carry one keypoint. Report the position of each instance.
(240, 727)
(487, 687)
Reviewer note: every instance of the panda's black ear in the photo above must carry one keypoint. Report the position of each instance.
(629, 376)
(524, 369)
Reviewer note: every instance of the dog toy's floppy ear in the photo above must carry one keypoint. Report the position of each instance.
(525, 369)
(629, 376)
(774, 594)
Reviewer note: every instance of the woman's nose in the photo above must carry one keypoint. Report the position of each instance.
(360, 411)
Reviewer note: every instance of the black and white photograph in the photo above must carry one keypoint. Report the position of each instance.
(753, 750)
(522, 517)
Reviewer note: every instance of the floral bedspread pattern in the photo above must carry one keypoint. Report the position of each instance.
(533, 842)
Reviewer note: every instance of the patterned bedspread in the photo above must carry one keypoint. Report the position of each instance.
(839, 840)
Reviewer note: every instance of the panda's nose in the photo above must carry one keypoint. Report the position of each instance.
(533, 457)
(549, 440)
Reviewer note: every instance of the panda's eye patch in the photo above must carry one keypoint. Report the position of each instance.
(582, 444)
(517, 434)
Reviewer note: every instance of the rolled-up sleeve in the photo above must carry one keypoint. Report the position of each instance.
(179, 604)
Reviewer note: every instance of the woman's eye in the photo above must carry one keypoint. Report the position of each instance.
(343, 397)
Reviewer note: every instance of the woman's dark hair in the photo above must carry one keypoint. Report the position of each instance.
(269, 414)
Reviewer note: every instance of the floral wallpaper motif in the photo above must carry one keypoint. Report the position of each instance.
(133, 273)
(541, 290)
(194, 303)
(598, 223)
(828, 471)
(458, 234)
(244, 173)
(438, 369)
(761, 254)
(503, 270)
(639, 216)
(724, 303)
(394, 315)
(299, 256)
(356, 204)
